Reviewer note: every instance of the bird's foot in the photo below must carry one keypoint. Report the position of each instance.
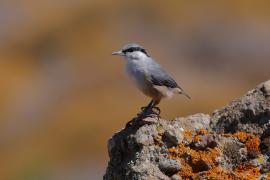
(144, 117)
(157, 109)
(144, 111)
(147, 112)
(144, 108)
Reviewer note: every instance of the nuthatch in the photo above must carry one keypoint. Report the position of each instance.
(148, 75)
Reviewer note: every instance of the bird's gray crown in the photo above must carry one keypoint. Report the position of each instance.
(132, 48)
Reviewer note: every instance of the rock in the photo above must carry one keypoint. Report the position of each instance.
(266, 144)
(234, 152)
(200, 166)
(250, 113)
(196, 121)
(144, 171)
(142, 143)
(263, 177)
(175, 177)
(207, 141)
(259, 161)
(265, 88)
(169, 166)
(173, 136)
(145, 135)
(233, 143)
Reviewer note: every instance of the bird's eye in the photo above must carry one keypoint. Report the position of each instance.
(132, 49)
(128, 50)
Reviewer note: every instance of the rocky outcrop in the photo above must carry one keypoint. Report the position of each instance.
(233, 143)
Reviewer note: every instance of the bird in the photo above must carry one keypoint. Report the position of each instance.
(148, 76)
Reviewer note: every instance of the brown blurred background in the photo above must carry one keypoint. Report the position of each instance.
(63, 95)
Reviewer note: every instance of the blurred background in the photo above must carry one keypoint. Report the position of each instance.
(62, 94)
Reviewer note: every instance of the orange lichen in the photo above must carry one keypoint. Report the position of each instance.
(243, 172)
(193, 160)
(202, 132)
(188, 135)
(243, 168)
(252, 143)
(198, 135)
(219, 173)
(176, 153)
(247, 172)
(268, 176)
(197, 138)
(242, 136)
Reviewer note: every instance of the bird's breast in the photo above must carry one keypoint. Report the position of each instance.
(138, 73)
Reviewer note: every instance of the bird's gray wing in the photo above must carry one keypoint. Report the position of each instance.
(159, 77)
(163, 80)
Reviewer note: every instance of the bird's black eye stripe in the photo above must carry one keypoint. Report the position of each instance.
(129, 50)
(134, 49)
(143, 50)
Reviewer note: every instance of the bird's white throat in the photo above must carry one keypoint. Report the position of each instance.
(136, 55)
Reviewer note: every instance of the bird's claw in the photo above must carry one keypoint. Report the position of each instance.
(143, 108)
(146, 112)
(157, 109)
(154, 108)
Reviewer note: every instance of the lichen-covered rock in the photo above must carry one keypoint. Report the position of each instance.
(250, 114)
(169, 166)
(140, 151)
(175, 177)
(144, 171)
(206, 141)
(234, 152)
(265, 88)
(173, 136)
(196, 121)
(235, 145)
(141, 143)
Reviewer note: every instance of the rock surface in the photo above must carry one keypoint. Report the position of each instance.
(233, 143)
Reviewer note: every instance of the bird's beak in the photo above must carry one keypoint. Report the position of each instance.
(119, 53)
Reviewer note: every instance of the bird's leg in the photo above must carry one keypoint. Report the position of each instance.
(156, 108)
(149, 106)
(149, 110)
(145, 111)
(152, 108)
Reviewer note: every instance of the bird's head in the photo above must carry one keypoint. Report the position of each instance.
(132, 52)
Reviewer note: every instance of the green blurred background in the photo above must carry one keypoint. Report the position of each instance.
(62, 94)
